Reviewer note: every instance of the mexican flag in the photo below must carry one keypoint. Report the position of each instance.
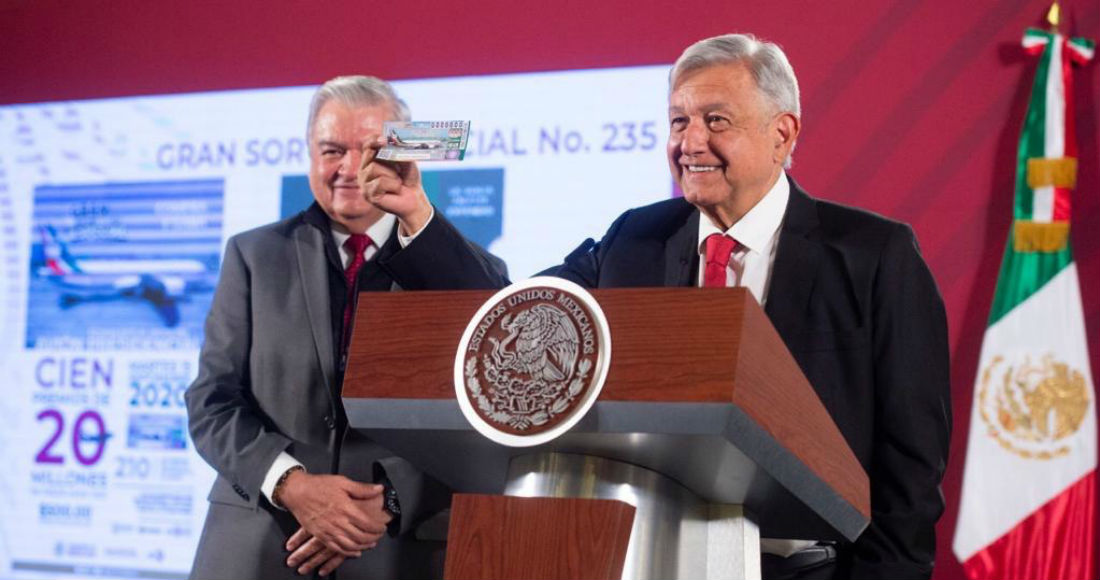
(1029, 486)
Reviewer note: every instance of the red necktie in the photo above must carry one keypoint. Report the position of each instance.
(719, 249)
(355, 245)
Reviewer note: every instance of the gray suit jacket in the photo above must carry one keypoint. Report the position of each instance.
(267, 383)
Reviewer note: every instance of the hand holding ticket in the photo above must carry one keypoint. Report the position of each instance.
(424, 140)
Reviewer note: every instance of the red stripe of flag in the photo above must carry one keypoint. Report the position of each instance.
(1055, 542)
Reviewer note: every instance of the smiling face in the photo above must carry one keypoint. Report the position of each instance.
(726, 142)
(336, 149)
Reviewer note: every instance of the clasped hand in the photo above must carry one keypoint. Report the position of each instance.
(340, 518)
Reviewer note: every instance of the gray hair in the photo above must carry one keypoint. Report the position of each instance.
(356, 90)
(766, 62)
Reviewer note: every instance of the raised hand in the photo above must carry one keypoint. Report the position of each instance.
(394, 187)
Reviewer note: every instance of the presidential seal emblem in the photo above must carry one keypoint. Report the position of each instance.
(532, 361)
(1031, 407)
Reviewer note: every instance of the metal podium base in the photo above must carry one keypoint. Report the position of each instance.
(676, 535)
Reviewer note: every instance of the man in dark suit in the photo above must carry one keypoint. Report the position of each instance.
(298, 492)
(846, 289)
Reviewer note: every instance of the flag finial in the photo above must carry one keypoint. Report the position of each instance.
(1053, 16)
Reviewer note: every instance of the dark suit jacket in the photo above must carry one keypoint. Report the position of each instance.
(860, 312)
(268, 382)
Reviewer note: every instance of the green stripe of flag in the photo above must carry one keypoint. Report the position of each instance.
(1085, 43)
(1023, 274)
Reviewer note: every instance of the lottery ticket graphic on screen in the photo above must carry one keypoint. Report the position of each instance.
(123, 265)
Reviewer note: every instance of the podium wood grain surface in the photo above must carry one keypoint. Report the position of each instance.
(669, 345)
(506, 538)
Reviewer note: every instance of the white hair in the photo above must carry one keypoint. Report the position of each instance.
(766, 62)
(356, 90)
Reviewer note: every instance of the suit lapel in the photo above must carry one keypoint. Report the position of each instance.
(314, 276)
(385, 252)
(796, 261)
(681, 253)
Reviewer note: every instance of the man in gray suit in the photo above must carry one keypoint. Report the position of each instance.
(298, 492)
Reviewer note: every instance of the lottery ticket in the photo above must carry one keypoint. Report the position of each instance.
(425, 140)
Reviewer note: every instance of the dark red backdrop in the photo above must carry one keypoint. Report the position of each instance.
(911, 109)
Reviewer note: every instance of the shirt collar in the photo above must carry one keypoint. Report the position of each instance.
(379, 232)
(757, 227)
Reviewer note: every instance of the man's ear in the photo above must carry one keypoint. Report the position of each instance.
(785, 128)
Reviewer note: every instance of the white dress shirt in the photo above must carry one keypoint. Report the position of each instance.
(757, 234)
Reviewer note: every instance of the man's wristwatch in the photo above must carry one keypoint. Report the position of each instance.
(277, 492)
(390, 502)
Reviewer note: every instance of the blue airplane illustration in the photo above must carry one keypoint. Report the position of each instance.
(162, 283)
(101, 438)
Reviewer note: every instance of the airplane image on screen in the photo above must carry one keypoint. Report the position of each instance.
(414, 142)
(162, 283)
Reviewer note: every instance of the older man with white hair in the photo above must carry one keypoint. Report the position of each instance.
(847, 290)
(297, 491)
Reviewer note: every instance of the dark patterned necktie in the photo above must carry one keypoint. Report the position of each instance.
(355, 245)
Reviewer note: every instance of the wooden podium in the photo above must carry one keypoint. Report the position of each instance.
(706, 433)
